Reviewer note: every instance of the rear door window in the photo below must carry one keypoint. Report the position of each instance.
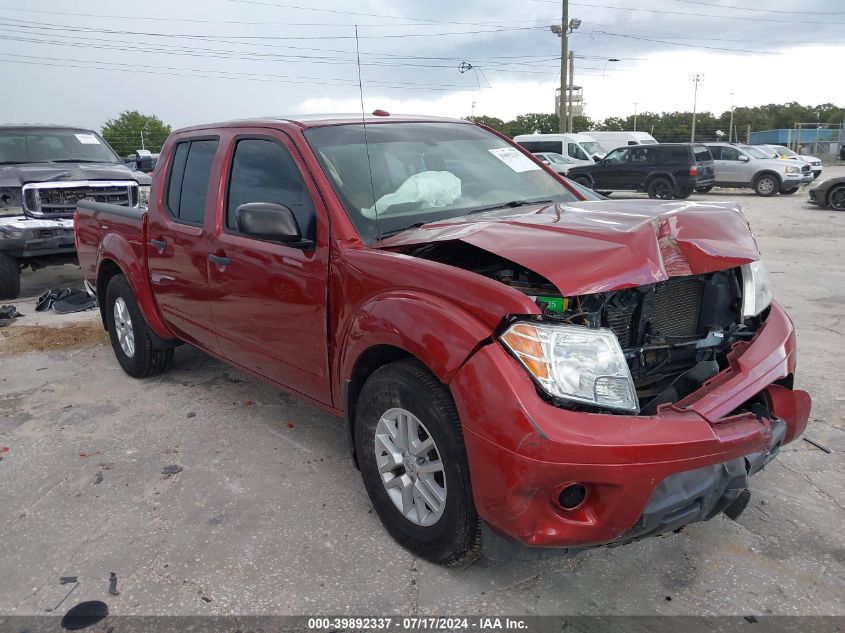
(716, 151)
(187, 185)
(640, 155)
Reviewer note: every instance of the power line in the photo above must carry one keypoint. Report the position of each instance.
(687, 14)
(27, 24)
(419, 21)
(714, 48)
(733, 6)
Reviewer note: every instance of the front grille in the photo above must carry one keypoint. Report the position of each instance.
(43, 200)
(677, 303)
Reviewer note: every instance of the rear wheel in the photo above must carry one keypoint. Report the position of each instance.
(130, 335)
(836, 198)
(661, 189)
(766, 185)
(10, 277)
(706, 189)
(411, 453)
(684, 193)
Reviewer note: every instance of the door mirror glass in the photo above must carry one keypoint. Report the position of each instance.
(271, 222)
(744, 158)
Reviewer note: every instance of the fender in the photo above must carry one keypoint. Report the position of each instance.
(131, 258)
(435, 331)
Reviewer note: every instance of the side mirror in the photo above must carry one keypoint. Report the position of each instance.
(270, 222)
(744, 158)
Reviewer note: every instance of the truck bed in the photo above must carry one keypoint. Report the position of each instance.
(100, 223)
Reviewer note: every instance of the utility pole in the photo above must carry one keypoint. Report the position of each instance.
(570, 107)
(564, 45)
(696, 79)
(731, 126)
(818, 127)
(563, 30)
(635, 116)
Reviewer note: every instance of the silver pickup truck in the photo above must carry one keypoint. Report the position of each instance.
(44, 172)
(747, 167)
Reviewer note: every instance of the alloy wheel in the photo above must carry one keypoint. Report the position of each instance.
(410, 467)
(123, 327)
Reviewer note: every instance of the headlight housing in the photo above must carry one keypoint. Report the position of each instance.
(144, 196)
(574, 362)
(756, 292)
(791, 169)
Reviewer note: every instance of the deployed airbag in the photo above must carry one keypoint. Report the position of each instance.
(430, 188)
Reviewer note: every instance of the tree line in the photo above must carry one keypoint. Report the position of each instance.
(675, 127)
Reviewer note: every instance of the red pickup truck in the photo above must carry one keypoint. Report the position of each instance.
(517, 364)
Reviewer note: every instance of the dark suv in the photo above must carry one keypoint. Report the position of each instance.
(664, 170)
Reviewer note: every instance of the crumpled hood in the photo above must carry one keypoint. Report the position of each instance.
(18, 175)
(589, 247)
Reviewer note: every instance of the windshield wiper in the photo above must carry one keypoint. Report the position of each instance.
(415, 225)
(513, 204)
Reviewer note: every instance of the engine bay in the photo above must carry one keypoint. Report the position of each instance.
(674, 334)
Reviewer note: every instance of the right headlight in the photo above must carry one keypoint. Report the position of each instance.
(756, 292)
(574, 362)
(792, 170)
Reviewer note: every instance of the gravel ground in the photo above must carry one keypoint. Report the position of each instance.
(269, 516)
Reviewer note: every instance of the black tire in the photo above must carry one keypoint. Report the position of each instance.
(455, 537)
(766, 185)
(706, 189)
(789, 191)
(683, 194)
(661, 189)
(836, 198)
(584, 181)
(10, 277)
(146, 359)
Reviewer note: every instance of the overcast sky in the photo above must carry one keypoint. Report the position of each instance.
(194, 61)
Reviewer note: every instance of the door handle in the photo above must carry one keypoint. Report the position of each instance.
(217, 259)
(159, 244)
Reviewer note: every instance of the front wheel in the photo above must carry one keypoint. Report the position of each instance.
(836, 198)
(660, 189)
(766, 185)
(413, 462)
(10, 277)
(129, 333)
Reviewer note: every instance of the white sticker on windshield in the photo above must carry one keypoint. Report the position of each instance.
(87, 139)
(514, 159)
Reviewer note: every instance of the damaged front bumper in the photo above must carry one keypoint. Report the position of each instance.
(23, 237)
(642, 475)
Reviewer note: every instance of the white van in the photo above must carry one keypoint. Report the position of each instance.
(565, 144)
(611, 140)
(589, 143)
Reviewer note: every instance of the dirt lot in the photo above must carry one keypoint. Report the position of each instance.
(269, 515)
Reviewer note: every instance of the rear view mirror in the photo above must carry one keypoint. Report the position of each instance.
(270, 222)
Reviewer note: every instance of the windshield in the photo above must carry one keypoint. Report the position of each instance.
(753, 152)
(35, 145)
(592, 147)
(785, 151)
(422, 172)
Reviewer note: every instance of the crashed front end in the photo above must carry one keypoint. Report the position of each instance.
(623, 409)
